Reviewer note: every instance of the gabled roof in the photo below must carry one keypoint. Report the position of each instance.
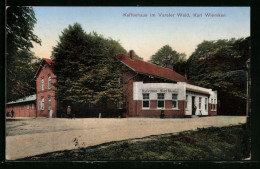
(147, 68)
(49, 61)
(25, 99)
(44, 60)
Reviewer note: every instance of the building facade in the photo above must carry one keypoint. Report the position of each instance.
(152, 90)
(46, 104)
(25, 107)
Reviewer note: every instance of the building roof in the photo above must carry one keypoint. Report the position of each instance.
(147, 68)
(197, 91)
(44, 60)
(49, 61)
(25, 99)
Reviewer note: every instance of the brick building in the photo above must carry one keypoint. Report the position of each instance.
(150, 91)
(24, 107)
(45, 90)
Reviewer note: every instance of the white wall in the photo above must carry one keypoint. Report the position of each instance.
(178, 88)
(201, 111)
(154, 88)
(213, 95)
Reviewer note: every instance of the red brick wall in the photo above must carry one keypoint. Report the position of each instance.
(153, 111)
(45, 72)
(22, 109)
(128, 79)
(130, 104)
(134, 108)
(212, 112)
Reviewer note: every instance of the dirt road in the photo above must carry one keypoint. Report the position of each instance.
(30, 137)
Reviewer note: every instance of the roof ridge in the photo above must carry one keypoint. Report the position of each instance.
(157, 65)
(150, 63)
(47, 59)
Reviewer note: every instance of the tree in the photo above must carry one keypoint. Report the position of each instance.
(167, 56)
(86, 67)
(138, 57)
(20, 61)
(221, 65)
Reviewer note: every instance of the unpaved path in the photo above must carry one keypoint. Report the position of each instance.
(37, 136)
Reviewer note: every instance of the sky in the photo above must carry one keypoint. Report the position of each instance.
(144, 35)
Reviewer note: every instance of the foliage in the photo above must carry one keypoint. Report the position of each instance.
(226, 143)
(221, 65)
(167, 56)
(20, 61)
(138, 57)
(86, 67)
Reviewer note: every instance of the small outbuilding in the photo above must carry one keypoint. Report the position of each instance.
(24, 107)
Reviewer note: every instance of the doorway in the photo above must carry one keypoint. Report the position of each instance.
(193, 108)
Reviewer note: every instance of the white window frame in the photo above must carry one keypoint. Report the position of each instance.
(145, 99)
(42, 103)
(32, 106)
(206, 104)
(49, 82)
(49, 102)
(173, 99)
(119, 104)
(200, 102)
(42, 83)
(158, 99)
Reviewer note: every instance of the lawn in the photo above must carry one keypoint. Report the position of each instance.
(225, 143)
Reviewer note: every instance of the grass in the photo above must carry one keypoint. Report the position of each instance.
(226, 143)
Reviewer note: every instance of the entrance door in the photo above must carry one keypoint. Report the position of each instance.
(50, 114)
(193, 106)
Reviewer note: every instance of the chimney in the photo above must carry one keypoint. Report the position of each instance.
(169, 67)
(131, 54)
(185, 75)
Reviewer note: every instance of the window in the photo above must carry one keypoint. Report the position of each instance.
(160, 100)
(49, 82)
(200, 102)
(42, 84)
(32, 106)
(174, 101)
(119, 104)
(42, 103)
(146, 100)
(186, 103)
(215, 104)
(27, 106)
(212, 104)
(206, 104)
(49, 102)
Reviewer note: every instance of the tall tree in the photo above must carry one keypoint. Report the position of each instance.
(167, 56)
(86, 67)
(20, 61)
(221, 65)
(138, 57)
